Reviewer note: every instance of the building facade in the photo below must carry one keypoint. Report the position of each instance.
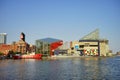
(20, 46)
(90, 45)
(47, 46)
(104, 48)
(3, 38)
(4, 48)
(85, 47)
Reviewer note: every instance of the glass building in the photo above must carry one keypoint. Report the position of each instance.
(3, 38)
(47, 46)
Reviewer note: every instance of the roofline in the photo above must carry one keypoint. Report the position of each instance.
(88, 40)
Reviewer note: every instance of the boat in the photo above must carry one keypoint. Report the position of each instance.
(28, 56)
(34, 56)
(17, 56)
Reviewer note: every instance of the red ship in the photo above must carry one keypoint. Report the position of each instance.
(28, 56)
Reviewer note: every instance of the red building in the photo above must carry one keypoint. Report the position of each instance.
(47, 46)
(55, 45)
(4, 48)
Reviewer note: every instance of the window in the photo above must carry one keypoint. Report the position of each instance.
(72, 48)
(81, 46)
(94, 45)
(87, 44)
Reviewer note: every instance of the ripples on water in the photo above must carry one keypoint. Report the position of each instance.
(87, 68)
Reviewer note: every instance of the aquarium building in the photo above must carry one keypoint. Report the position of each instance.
(90, 45)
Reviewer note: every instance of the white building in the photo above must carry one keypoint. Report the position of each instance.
(3, 38)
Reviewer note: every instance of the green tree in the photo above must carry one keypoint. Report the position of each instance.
(1, 53)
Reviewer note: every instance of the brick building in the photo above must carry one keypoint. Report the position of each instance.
(4, 48)
(20, 46)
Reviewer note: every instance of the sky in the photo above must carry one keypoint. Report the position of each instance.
(68, 20)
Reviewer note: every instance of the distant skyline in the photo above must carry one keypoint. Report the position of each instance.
(68, 20)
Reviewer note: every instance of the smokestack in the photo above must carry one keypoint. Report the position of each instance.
(22, 36)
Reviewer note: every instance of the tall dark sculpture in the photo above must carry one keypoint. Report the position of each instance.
(22, 36)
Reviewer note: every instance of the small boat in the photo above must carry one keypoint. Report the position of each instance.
(17, 56)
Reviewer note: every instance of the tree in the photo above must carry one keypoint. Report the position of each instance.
(1, 53)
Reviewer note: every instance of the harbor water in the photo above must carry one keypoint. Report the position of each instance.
(82, 68)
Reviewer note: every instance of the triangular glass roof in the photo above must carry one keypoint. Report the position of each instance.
(92, 36)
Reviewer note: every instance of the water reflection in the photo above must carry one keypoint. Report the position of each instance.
(87, 68)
